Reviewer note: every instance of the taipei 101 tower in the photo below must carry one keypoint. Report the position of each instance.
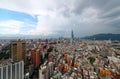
(72, 36)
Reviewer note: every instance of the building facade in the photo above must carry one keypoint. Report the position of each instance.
(18, 50)
(35, 57)
(12, 71)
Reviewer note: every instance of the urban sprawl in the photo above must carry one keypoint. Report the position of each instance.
(62, 58)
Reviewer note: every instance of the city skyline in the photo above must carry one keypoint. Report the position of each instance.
(46, 18)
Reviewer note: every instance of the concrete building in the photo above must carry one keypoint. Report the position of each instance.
(35, 57)
(12, 70)
(45, 72)
(18, 50)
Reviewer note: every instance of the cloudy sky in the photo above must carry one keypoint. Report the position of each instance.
(59, 17)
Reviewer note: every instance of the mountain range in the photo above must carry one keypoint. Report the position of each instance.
(108, 36)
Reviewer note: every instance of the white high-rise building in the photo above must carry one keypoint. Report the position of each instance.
(12, 70)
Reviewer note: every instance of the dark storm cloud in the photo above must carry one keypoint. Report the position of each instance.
(108, 14)
(112, 14)
(115, 23)
(105, 6)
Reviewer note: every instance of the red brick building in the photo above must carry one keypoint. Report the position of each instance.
(35, 57)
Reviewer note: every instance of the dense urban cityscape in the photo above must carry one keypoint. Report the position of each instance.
(59, 39)
(60, 58)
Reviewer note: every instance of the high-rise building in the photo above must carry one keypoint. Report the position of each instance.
(35, 57)
(18, 50)
(72, 36)
(11, 70)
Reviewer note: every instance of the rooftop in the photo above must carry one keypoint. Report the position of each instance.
(6, 62)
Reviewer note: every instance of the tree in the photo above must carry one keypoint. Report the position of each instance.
(91, 60)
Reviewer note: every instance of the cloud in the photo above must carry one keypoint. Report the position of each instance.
(12, 27)
(85, 17)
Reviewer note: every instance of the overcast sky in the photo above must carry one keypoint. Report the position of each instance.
(59, 17)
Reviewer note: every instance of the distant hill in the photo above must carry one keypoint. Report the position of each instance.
(104, 37)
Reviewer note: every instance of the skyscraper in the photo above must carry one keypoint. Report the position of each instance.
(72, 36)
(18, 50)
